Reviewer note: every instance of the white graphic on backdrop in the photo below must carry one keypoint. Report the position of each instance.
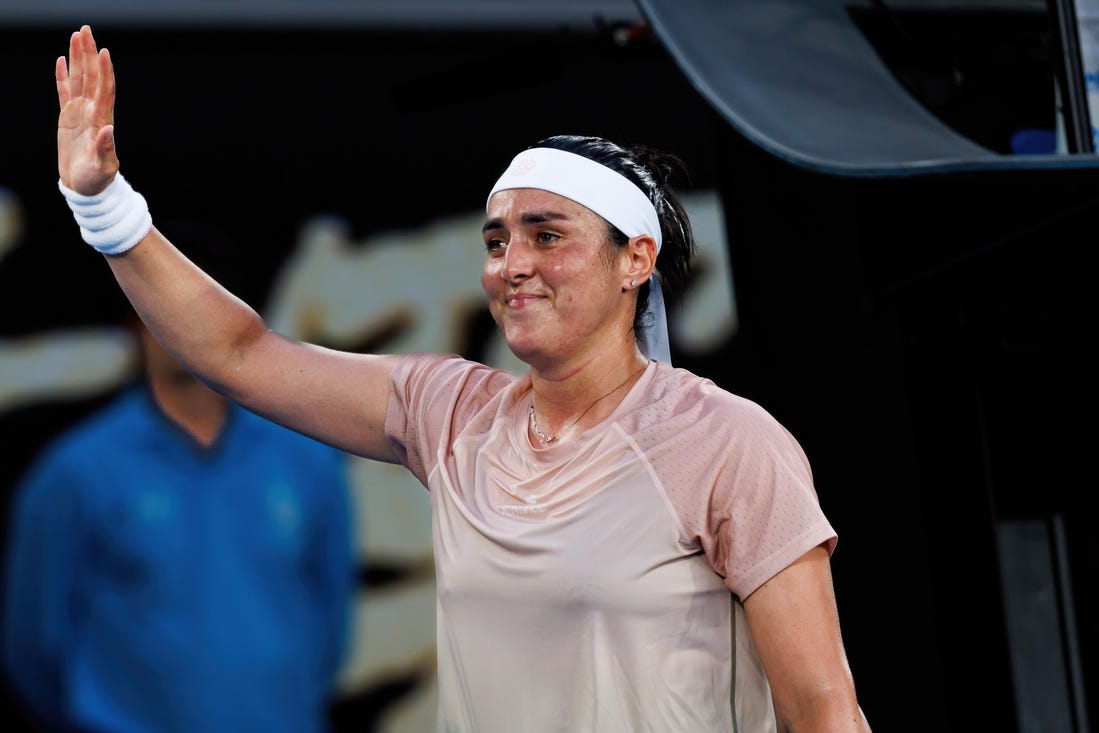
(60, 365)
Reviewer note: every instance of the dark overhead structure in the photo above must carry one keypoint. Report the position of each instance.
(804, 80)
(372, 15)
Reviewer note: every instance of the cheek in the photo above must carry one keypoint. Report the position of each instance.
(491, 284)
(489, 277)
(556, 271)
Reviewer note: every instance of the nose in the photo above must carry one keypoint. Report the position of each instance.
(518, 261)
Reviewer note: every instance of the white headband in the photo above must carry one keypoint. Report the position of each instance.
(609, 194)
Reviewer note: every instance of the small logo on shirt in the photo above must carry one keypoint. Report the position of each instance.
(530, 506)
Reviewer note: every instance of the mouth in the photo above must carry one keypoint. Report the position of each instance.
(521, 300)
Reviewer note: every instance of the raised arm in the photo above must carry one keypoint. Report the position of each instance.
(336, 397)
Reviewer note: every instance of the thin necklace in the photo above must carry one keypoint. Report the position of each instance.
(553, 438)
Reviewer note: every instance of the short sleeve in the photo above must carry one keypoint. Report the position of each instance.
(764, 511)
(737, 480)
(432, 399)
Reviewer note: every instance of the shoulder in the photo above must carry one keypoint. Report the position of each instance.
(420, 363)
(681, 396)
(430, 374)
(688, 423)
(82, 451)
(102, 431)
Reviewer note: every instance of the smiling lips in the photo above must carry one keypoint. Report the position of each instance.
(520, 300)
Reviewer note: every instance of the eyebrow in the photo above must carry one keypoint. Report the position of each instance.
(531, 217)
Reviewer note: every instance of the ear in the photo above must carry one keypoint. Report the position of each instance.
(639, 261)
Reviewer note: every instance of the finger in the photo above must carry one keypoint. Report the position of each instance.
(105, 91)
(76, 65)
(91, 62)
(61, 74)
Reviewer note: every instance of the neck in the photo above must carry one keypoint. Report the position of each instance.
(194, 407)
(568, 400)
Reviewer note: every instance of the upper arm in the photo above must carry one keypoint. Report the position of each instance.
(337, 397)
(795, 627)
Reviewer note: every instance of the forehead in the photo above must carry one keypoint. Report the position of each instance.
(510, 206)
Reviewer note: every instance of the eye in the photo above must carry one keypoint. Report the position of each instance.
(494, 245)
(547, 237)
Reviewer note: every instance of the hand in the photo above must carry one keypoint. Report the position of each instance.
(86, 157)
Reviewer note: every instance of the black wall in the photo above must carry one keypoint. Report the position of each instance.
(931, 340)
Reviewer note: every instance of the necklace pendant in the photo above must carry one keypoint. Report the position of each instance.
(537, 430)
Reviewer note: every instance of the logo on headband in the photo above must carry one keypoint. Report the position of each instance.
(524, 166)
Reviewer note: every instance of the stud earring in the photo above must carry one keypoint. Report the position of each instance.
(633, 283)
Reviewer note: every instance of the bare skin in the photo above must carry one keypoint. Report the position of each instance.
(198, 410)
(563, 300)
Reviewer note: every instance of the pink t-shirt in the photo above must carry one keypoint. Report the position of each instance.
(585, 586)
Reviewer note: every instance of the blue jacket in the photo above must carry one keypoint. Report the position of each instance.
(156, 585)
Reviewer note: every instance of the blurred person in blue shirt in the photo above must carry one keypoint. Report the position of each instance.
(177, 563)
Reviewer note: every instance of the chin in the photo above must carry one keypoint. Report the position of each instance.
(528, 351)
(523, 353)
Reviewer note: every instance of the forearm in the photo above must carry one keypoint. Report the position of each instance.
(204, 326)
(827, 714)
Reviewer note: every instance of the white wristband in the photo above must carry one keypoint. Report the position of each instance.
(113, 220)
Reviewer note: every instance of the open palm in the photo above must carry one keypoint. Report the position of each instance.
(86, 157)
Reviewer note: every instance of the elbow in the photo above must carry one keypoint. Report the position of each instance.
(229, 366)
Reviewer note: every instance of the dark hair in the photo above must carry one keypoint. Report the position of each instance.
(652, 171)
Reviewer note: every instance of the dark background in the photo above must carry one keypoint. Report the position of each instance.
(928, 339)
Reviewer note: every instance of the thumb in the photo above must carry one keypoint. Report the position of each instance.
(104, 142)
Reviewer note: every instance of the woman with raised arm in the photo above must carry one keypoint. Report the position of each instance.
(607, 529)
